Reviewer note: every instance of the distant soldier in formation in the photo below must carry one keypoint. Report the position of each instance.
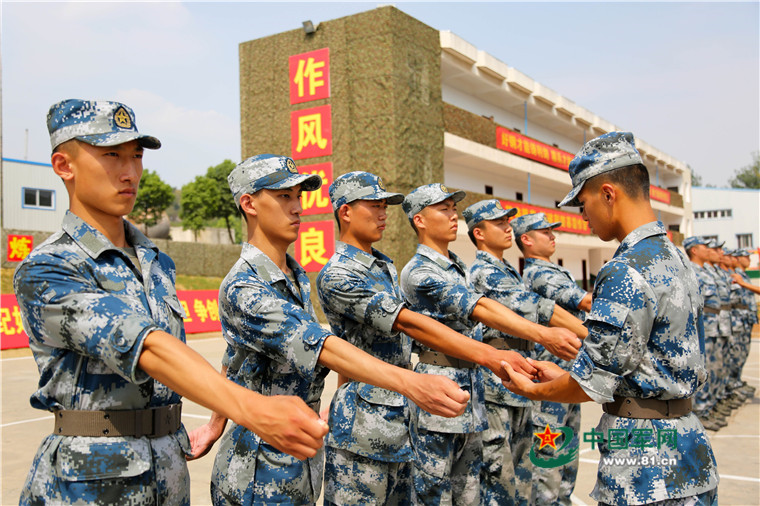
(508, 474)
(534, 237)
(643, 358)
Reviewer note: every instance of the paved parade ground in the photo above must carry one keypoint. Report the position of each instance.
(737, 447)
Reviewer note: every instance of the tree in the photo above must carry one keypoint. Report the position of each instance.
(224, 206)
(749, 175)
(154, 196)
(696, 179)
(196, 200)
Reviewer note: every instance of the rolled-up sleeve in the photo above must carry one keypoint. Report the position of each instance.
(62, 308)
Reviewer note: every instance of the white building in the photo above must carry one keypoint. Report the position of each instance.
(34, 197)
(480, 84)
(727, 214)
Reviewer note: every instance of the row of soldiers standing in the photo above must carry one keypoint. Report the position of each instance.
(730, 312)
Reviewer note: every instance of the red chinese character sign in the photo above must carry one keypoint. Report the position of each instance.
(311, 132)
(201, 310)
(19, 246)
(12, 333)
(309, 76)
(315, 245)
(510, 141)
(318, 201)
(659, 194)
(570, 222)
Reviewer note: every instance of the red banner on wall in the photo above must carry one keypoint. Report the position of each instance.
(315, 244)
(518, 144)
(309, 76)
(311, 132)
(571, 222)
(19, 246)
(201, 308)
(659, 194)
(318, 201)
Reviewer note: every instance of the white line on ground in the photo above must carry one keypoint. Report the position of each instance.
(27, 421)
(577, 501)
(16, 358)
(738, 478)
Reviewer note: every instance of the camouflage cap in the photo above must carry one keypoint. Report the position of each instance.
(745, 252)
(528, 222)
(603, 154)
(692, 241)
(359, 185)
(269, 172)
(485, 210)
(427, 195)
(96, 122)
(715, 244)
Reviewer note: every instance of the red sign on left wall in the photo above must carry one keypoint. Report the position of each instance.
(201, 308)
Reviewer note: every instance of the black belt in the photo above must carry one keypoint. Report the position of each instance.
(510, 343)
(632, 407)
(152, 422)
(443, 360)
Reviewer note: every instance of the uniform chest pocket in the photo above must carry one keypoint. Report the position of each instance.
(174, 304)
(95, 458)
(605, 322)
(377, 395)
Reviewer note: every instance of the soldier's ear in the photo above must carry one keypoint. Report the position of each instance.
(418, 221)
(247, 204)
(608, 193)
(343, 213)
(61, 162)
(477, 233)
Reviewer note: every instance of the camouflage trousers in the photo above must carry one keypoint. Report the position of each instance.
(140, 471)
(446, 467)
(737, 356)
(507, 473)
(722, 347)
(556, 485)
(709, 498)
(707, 396)
(355, 479)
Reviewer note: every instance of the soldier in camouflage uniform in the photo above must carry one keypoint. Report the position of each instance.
(368, 453)
(643, 357)
(277, 346)
(742, 328)
(534, 237)
(105, 326)
(706, 399)
(435, 283)
(750, 302)
(508, 474)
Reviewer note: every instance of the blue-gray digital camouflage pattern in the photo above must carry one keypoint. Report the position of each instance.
(269, 172)
(361, 298)
(723, 343)
(270, 323)
(448, 451)
(507, 469)
(359, 185)
(96, 122)
(427, 195)
(645, 341)
(605, 153)
(706, 397)
(87, 314)
(694, 240)
(533, 221)
(555, 485)
(485, 210)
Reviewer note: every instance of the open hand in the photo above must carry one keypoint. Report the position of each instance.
(517, 382)
(518, 363)
(545, 370)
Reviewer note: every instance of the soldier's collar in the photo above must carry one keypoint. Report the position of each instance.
(94, 243)
(362, 257)
(442, 261)
(646, 230)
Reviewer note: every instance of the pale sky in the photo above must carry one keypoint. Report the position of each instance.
(684, 77)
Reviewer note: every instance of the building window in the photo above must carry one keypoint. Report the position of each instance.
(489, 190)
(717, 213)
(36, 198)
(744, 240)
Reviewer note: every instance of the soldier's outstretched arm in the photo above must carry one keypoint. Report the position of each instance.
(435, 394)
(749, 286)
(559, 341)
(285, 422)
(562, 388)
(562, 318)
(438, 336)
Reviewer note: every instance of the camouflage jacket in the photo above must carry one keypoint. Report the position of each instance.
(724, 294)
(361, 298)
(87, 313)
(439, 287)
(708, 288)
(270, 325)
(749, 298)
(498, 280)
(645, 341)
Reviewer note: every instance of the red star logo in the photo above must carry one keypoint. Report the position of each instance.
(547, 437)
